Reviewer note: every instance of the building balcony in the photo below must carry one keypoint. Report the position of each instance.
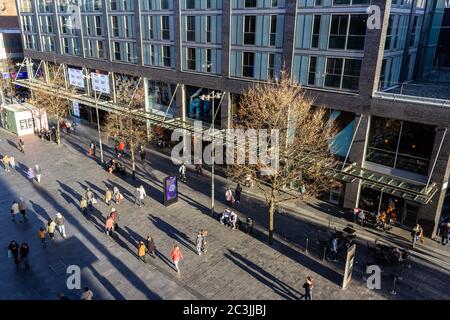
(434, 90)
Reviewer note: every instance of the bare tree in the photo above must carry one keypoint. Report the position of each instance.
(303, 145)
(54, 102)
(126, 126)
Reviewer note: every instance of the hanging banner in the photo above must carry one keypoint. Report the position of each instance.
(76, 77)
(100, 82)
(76, 108)
(170, 190)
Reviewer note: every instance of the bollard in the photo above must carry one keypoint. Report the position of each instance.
(324, 253)
(393, 292)
(306, 249)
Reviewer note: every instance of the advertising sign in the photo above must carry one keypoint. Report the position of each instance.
(100, 82)
(76, 77)
(349, 266)
(76, 108)
(170, 190)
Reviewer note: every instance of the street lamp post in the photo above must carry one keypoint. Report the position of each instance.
(211, 97)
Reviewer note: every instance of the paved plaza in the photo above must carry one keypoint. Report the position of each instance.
(236, 266)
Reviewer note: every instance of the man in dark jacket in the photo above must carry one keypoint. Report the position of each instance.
(24, 251)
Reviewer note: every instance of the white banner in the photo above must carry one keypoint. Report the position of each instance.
(76, 77)
(76, 108)
(100, 82)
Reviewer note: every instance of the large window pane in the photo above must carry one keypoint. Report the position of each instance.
(338, 31)
(416, 146)
(357, 32)
(352, 69)
(383, 140)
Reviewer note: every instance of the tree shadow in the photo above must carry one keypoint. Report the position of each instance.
(280, 287)
(172, 232)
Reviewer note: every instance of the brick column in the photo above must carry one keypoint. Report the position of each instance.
(107, 42)
(177, 34)
(226, 28)
(137, 31)
(289, 32)
(374, 51)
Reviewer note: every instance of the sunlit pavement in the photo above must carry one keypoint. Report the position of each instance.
(236, 265)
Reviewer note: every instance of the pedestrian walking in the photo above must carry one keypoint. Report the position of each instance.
(89, 195)
(109, 226)
(30, 174)
(24, 252)
(199, 243)
(137, 197)
(108, 197)
(182, 172)
(92, 147)
(83, 205)
(445, 226)
(12, 162)
(142, 251)
(229, 197)
(21, 146)
(417, 233)
(42, 236)
(238, 192)
(308, 286)
(176, 257)
(150, 243)
(142, 194)
(198, 169)
(22, 209)
(13, 252)
(14, 210)
(118, 197)
(51, 225)
(115, 216)
(204, 242)
(87, 294)
(142, 153)
(333, 249)
(6, 162)
(59, 221)
(38, 172)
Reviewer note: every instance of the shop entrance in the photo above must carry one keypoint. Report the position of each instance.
(375, 201)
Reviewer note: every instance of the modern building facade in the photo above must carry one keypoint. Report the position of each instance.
(183, 48)
(10, 38)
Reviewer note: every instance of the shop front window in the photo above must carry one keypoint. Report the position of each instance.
(159, 96)
(375, 201)
(400, 144)
(199, 109)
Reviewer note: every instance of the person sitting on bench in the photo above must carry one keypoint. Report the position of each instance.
(224, 219)
(232, 220)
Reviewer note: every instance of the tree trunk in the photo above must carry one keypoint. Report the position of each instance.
(58, 132)
(133, 162)
(271, 214)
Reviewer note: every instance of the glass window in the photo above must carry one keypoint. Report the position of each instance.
(164, 4)
(312, 70)
(248, 64)
(250, 4)
(357, 32)
(208, 60)
(383, 141)
(316, 32)
(208, 29)
(165, 28)
(249, 29)
(271, 67)
(166, 56)
(415, 147)
(190, 28)
(191, 59)
(333, 72)
(338, 31)
(190, 4)
(273, 30)
(350, 79)
(115, 25)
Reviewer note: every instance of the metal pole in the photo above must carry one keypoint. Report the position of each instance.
(437, 155)
(213, 159)
(351, 143)
(306, 249)
(98, 127)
